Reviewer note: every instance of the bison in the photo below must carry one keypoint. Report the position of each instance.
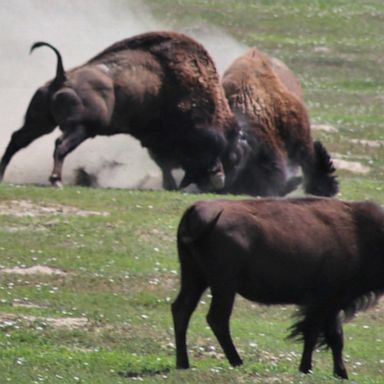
(160, 87)
(324, 255)
(275, 137)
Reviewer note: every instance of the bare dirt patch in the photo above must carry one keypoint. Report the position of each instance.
(26, 208)
(17, 303)
(23, 228)
(351, 166)
(368, 143)
(9, 320)
(324, 127)
(35, 270)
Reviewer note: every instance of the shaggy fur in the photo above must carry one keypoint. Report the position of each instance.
(324, 255)
(160, 87)
(275, 136)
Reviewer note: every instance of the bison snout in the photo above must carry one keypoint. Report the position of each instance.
(217, 180)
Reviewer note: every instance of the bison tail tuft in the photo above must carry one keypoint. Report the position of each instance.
(60, 73)
(322, 181)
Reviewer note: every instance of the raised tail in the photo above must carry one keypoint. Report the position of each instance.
(320, 179)
(60, 73)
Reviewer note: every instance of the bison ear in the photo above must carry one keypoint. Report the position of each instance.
(187, 180)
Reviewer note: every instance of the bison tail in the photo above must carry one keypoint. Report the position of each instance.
(60, 73)
(321, 180)
(193, 227)
(304, 324)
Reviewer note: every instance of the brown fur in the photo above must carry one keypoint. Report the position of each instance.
(160, 87)
(324, 255)
(276, 138)
(286, 76)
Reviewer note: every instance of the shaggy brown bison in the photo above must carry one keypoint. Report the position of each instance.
(324, 255)
(160, 87)
(275, 137)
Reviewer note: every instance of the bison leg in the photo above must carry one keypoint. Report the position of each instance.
(22, 138)
(218, 319)
(191, 290)
(310, 341)
(334, 338)
(310, 329)
(63, 146)
(291, 185)
(169, 183)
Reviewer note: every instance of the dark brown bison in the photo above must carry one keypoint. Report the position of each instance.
(324, 255)
(275, 137)
(160, 87)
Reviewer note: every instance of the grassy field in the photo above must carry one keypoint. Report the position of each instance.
(103, 313)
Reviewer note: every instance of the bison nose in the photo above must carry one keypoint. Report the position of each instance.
(217, 180)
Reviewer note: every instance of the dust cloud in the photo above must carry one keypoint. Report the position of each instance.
(79, 30)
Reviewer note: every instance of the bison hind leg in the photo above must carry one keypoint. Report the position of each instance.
(333, 337)
(66, 143)
(307, 329)
(193, 285)
(218, 319)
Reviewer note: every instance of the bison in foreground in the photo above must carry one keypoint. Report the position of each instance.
(324, 255)
(275, 137)
(160, 87)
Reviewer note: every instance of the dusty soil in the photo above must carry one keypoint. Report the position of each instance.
(26, 208)
(324, 127)
(351, 166)
(36, 269)
(9, 319)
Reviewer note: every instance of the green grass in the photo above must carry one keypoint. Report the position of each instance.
(122, 269)
(122, 274)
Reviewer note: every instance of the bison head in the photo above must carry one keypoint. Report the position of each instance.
(210, 179)
(202, 161)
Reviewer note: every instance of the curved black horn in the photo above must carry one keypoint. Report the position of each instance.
(60, 73)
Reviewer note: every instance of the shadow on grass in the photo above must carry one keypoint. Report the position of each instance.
(144, 372)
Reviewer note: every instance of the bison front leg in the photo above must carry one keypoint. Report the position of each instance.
(65, 144)
(169, 183)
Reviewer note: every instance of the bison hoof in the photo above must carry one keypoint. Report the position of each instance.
(56, 181)
(182, 366)
(305, 370)
(236, 363)
(341, 374)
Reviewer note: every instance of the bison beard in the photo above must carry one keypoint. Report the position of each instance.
(160, 87)
(321, 254)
